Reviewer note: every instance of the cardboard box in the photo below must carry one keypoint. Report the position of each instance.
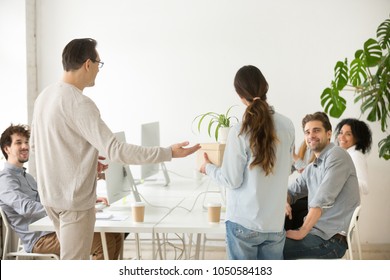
(213, 150)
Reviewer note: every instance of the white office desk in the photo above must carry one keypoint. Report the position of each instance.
(191, 217)
(160, 201)
(194, 222)
(152, 216)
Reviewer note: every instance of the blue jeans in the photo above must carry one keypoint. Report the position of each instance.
(314, 247)
(245, 244)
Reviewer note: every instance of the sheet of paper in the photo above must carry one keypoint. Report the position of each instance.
(118, 218)
(110, 216)
(103, 216)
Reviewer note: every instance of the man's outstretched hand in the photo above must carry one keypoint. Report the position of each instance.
(178, 150)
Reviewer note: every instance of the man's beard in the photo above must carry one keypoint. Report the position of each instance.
(22, 160)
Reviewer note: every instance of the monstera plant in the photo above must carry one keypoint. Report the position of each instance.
(368, 76)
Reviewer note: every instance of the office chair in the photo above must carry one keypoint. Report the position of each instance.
(353, 234)
(20, 252)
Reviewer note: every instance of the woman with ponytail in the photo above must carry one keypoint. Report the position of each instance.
(255, 170)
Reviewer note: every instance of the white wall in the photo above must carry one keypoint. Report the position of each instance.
(171, 60)
(13, 99)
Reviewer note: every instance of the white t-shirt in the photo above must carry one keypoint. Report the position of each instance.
(360, 162)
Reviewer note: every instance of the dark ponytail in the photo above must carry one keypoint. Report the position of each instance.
(257, 122)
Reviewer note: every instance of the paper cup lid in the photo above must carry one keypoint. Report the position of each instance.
(138, 204)
(214, 204)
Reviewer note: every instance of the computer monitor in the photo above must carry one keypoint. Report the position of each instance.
(150, 137)
(119, 179)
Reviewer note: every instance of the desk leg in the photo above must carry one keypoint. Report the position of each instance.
(198, 241)
(123, 244)
(153, 245)
(165, 245)
(159, 249)
(137, 244)
(204, 245)
(188, 251)
(104, 245)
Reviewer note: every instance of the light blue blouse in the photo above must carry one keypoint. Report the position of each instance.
(254, 200)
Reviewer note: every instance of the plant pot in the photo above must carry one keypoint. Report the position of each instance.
(213, 150)
(223, 134)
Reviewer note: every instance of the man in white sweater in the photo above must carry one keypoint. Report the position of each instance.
(67, 133)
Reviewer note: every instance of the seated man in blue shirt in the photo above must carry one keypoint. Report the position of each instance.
(332, 188)
(20, 200)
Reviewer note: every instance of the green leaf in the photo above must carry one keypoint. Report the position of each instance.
(384, 148)
(232, 117)
(372, 52)
(357, 73)
(359, 54)
(201, 119)
(203, 116)
(375, 113)
(332, 102)
(217, 131)
(215, 121)
(374, 103)
(222, 120)
(379, 93)
(383, 34)
(341, 74)
(227, 112)
(210, 125)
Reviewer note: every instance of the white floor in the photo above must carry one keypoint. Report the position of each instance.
(215, 250)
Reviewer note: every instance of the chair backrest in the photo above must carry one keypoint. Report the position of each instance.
(354, 233)
(7, 236)
(20, 250)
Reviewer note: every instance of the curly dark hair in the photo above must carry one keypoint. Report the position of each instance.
(360, 131)
(6, 137)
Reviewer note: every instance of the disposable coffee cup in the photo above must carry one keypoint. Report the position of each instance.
(214, 212)
(138, 212)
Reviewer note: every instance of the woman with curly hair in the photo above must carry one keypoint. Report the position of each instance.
(355, 136)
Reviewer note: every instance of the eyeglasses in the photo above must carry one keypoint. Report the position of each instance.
(101, 63)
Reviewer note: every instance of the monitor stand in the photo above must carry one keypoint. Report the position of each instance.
(164, 170)
(133, 185)
(166, 175)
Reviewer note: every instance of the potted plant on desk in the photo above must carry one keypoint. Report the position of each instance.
(218, 126)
